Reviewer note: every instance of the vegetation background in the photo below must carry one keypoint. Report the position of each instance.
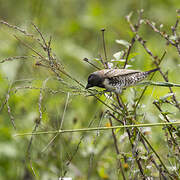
(75, 29)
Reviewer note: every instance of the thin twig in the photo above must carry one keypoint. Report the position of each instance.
(60, 127)
(16, 28)
(3, 104)
(156, 154)
(128, 52)
(37, 121)
(164, 84)
(29, 47)
(44, 42)
(117, 150)
(87, 60)
(65, 107)
(77, 148)
(104, 47)
(163, 34)
(174, 28)
(99, 128)
(9, 111)
(166, 36)
(8, 106)
(170, 128)
(142, 94)
(14, 58)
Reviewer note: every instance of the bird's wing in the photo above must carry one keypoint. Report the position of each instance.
(118, 72)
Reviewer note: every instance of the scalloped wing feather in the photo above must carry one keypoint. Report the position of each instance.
(117, 72)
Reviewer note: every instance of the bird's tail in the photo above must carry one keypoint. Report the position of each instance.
(153, 70)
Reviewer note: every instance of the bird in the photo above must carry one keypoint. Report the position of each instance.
(115, 80)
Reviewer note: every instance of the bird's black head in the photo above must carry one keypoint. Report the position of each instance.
(95, 80)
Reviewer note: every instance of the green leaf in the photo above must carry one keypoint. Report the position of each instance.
(123, 42)
(102, 173)
(166, 113)
(128, 17)
(117, 130)
(118, 55)
(132, 55)
(120, 60)
(166, 96)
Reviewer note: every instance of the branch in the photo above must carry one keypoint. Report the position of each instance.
(165, 84)
(98, 128)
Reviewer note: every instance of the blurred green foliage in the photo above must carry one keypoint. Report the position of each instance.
(75, 29)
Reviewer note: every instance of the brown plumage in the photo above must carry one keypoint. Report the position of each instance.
(114, 80)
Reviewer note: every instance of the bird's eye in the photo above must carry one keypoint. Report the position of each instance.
(90, 77)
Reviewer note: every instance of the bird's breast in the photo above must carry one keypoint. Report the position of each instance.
(108, 85)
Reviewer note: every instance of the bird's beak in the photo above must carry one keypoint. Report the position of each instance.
(88, 86)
